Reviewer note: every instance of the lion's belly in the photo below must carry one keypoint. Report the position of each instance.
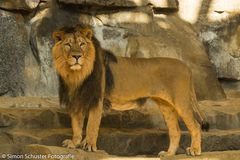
(124, 106)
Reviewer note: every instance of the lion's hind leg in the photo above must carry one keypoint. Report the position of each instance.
(187, 115)
(77, 121)
(171, 118)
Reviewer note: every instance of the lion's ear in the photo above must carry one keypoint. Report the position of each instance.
(87, 32)
(58, 36)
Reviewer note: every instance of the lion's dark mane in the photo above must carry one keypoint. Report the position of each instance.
(88, 94)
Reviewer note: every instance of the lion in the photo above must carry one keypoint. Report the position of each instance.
(89, 76)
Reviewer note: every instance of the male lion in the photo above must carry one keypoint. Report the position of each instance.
(90, 76)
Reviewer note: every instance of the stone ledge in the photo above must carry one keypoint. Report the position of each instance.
(220, 155)
(72, 153)
(124, 3)
(82, 155)
(127, 142)
(34, 113)
(25, 5)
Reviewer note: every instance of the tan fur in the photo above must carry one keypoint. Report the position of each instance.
(167, 81)
(77, 126)
(63, 58)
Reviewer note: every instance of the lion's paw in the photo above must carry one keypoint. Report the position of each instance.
(165, 154)
(68, 143)
(85, 145)
(190, 151)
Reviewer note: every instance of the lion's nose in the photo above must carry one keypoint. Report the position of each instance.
(76, 56)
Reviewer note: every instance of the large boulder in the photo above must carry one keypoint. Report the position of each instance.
(217, 22)
(23, 5)
(13, 47)
(222, 41)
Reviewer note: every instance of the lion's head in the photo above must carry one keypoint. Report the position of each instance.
(73, 54)
(83, 68)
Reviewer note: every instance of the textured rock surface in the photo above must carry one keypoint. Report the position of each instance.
(233, 155)
(217, 22)
(7, 120)
(199, 12)
(222, 41)
(121, 133)
(25, 5)
(123, 3)
(231, 88)
(50, 150)
(13, 47)
(127, 141)
(33, 113)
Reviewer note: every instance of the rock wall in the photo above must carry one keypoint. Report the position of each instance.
(217, 22)
(133, 28)
(13, 47)
(222, 41)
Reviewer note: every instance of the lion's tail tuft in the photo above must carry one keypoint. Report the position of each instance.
(201, 117)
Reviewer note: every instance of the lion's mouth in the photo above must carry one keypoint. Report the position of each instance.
(76, 66)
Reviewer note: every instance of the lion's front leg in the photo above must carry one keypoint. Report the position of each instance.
(94, 120)
(77, 120)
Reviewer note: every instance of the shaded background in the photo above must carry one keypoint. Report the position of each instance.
(203, 34)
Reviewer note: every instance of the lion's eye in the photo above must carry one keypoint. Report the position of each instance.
(82, 45)
(67, 46)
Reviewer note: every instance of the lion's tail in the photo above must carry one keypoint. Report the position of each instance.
(201, 117)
